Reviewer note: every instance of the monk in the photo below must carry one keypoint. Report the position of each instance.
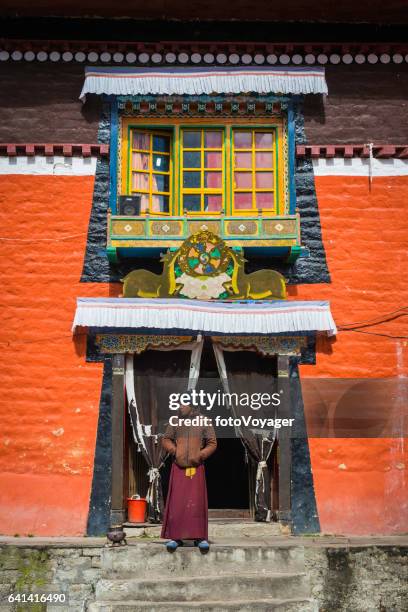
(186, 511)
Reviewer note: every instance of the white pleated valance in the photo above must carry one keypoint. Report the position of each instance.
(197, 81)
(218, 317)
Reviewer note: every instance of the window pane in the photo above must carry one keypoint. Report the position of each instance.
(243, 200)
(140, 181)
(191, 140)
(191, 159)
(264, 200)
(213, 203)
(192, 202)
(213, 160)
(264, 160)
(243, 180)
(212, 140)
(141, 161)
(160, 203)
(161, 143)
(144, 203)
(242, 140)
(213, 180)
(161, 163)
(160, 182)
(141, 141)
(264, 180)
(243, 160)
(263, 140)
(191, 180)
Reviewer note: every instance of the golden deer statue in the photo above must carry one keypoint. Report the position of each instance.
(259, 285)
(146, 284)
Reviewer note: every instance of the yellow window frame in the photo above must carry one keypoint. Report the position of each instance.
(173, 127)
(254, 169)
(151, 171)
(202, 191)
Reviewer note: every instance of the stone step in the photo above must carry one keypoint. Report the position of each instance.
(216, 529)
(149, 560)
(264, 605)
(231, 513)
(205, 588)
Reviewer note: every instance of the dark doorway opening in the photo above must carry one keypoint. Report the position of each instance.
(226, 470)
(227, 476)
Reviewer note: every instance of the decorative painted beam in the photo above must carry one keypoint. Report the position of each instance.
(383, 151)
(52, 149)
(204, 53)
(352, 150)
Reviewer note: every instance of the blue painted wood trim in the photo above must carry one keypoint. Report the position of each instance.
(291, 156)
(113, 166)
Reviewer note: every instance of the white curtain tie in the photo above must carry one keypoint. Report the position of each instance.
(261, 466)
(153, 474)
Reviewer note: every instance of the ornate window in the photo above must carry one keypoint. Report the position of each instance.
(254, 164)
(149, 169)
(197, 167)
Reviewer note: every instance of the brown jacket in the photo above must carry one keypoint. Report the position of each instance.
(191, 445)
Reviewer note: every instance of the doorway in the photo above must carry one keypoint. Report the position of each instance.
(230, 475)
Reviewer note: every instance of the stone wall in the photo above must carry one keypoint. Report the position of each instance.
(70, 570)
(358, 579)
(342, 579)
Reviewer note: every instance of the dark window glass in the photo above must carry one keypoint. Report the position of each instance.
(191, 159)
(160, 182)
(191, 202)
(191, 140)
(191, 180)
(161, 163)
(161, 143)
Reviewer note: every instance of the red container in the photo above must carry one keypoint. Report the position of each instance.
(136, 510)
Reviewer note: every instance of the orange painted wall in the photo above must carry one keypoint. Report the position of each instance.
(361, 484)
(50, 395)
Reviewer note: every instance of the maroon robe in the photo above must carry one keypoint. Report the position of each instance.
(186, 511)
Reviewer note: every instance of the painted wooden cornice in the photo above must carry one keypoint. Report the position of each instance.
(352, 150)
(202, 53)
(51, 149)
(382, 151)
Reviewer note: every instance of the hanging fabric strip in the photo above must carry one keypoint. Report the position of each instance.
(222, 370)
(138, 433)
(152, 495)
(198, 81)
(195, 363)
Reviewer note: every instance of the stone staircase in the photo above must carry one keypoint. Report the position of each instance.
(247, 574)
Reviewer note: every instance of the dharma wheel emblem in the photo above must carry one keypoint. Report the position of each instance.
(204, 254)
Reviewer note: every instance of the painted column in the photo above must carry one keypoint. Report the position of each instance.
(118, 506)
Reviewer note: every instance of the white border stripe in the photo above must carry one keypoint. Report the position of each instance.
(55, 165)
(359, 166)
